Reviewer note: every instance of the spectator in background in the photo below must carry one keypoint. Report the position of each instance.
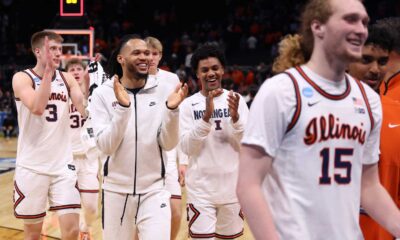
(253, 89)
(8, 126)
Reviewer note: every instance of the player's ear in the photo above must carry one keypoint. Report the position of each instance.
(318, 28)
(120, 59)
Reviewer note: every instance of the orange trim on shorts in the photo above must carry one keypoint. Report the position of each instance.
(16, 203)
(241, 215)
(195, 216)
(176, 197)
(29, 216)
(88, 191)
(21, 195)
(229, 236)
(64, 207)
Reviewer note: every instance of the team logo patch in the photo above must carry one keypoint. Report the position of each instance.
(37, 81)
(72, 167)
(307, 92)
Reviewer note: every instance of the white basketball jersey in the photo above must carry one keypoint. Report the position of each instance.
(76, 124)
(44, 144)
(314, 187)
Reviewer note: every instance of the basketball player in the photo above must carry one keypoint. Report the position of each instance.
(45, 172)
(372, 69)
(372, 66)
(171, 177)
(211, 127)
(312, 140)
(391, 86)
(135, 127)
(86, 157)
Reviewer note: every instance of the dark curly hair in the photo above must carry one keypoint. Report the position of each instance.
(392, 27)
(204, 52)
(379, 37)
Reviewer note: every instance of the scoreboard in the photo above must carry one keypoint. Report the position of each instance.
(71, 8)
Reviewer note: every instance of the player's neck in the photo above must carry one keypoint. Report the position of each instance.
(332, 69)
(132, 83)
(39, 69)
(153, 70)
(393, 65)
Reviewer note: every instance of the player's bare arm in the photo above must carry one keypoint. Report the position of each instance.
(182, 173)
(35, 101)
(254, 165)
(177, 96)
(77, 97)
(377, 202)
(210, 103)
(233, 104)
(120, 93)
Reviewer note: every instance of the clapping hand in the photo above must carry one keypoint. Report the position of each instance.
(120, 93)
(210, 103)
(233, 104)
(176, 97)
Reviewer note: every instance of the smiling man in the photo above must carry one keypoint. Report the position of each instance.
(372, 66)
(135, 121)
(371, 69)
(211, 127)
(45, 172)
(311, 145)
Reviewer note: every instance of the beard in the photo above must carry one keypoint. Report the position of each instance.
(140, 76)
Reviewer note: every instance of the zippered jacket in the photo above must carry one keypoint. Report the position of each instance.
(136, 137)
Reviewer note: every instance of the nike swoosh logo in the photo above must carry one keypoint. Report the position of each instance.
(393, 125)
(194, 104)
(312, 104)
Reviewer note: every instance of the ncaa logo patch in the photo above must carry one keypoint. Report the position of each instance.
(307, 92)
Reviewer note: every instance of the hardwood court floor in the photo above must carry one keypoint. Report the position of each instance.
(12, 229)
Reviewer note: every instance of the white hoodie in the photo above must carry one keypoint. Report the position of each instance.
(135, 137)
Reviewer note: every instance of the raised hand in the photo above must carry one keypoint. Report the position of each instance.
(176, 97)
(210, 103)
(233, 104)
(50, 66)
(120, 93)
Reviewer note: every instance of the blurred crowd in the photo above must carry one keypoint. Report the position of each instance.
(247, 30)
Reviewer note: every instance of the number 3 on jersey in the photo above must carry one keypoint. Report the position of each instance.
(338, 164)
(52, 113)
(77, 121)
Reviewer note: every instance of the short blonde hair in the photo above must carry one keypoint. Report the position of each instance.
(153, 42)
(37, 39)
(74, 61)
